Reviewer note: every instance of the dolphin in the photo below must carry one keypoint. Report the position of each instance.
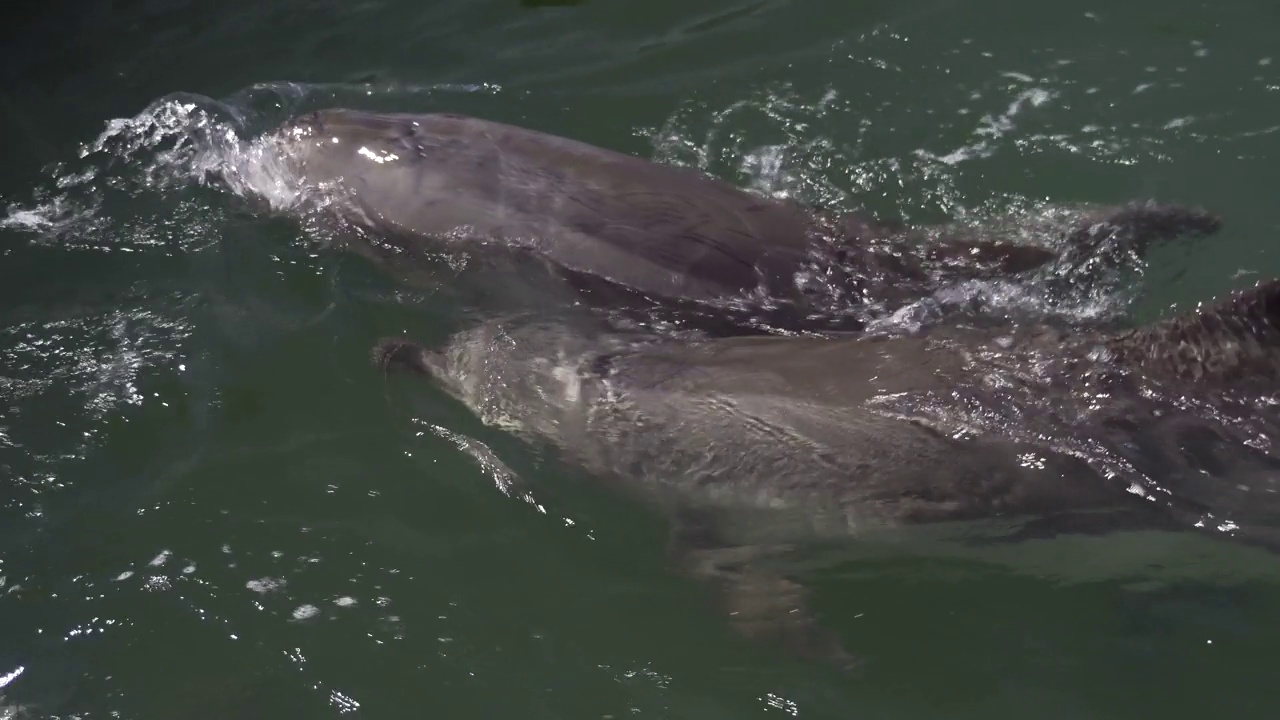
(754, 445)
(624, 231)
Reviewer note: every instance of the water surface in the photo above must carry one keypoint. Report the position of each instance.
(212, 507)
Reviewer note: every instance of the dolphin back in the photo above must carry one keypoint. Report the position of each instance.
(1234, 341)
(658, 228)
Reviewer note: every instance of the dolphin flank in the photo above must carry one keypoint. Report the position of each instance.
(821, 439)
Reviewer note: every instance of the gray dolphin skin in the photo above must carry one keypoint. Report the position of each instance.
(753, 444)
(625, 230)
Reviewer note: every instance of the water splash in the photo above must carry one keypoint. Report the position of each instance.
(186, 140)
(503, 477)
(784, 143)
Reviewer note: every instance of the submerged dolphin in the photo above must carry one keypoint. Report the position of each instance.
(625, 230)
(757, 443)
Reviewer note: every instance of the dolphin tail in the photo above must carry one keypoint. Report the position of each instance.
(1234, 339)
(971, 258)
(1133, 227)
(1141, 224)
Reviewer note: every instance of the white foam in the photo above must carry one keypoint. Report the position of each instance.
(305, 612)
(9, 677)
(51, 216)
(265, 585)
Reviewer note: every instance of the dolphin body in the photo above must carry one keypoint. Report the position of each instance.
(753, 445)
(628, 232)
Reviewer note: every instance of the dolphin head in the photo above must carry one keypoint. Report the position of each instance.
(366, 167)
(326, 145)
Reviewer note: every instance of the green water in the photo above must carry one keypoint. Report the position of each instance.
(213, 508)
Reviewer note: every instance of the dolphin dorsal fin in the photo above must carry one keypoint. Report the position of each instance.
(1235, 339)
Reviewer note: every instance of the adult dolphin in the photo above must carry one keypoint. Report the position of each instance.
(751, 444)
(628, 231)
